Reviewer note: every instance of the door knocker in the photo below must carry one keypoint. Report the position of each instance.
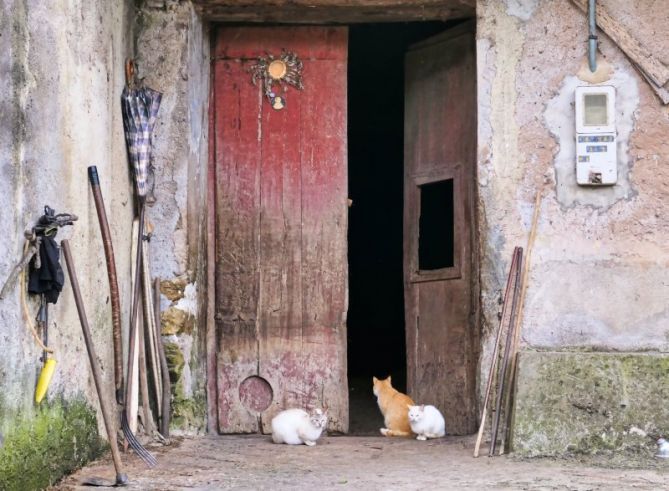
(276, 73)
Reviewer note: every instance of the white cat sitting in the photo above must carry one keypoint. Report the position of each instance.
(296, 426)
(426, 422)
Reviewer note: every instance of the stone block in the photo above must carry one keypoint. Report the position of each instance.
(584, 403)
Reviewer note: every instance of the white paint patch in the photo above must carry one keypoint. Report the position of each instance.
(559, 117)
(485, 64)
(189, 301)
(523, 9)
(185, 343)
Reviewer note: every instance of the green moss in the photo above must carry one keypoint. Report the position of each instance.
(39, 449)
(189, 414)
(175, 362)
(594, 404)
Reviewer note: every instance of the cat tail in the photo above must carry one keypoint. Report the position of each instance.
(390, 432)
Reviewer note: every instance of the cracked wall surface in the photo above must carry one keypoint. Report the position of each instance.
(60, 85)
(172, 47)
(598, 279)
(598, 274)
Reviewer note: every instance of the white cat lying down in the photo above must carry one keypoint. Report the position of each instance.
(296, 426)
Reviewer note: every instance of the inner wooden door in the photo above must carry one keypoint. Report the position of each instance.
(281, 220)
(439, 256)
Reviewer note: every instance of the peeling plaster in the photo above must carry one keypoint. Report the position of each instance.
(523, 9)
(189, 302)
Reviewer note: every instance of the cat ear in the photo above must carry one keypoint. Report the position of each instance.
(375, 380)
(388, 379)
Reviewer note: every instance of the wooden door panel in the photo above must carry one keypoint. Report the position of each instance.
(237, 199)
(440, 144)
(324, 240)
(281, 270)
(280, 304)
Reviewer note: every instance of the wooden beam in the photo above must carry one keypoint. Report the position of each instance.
(333, 11)
(653, 69)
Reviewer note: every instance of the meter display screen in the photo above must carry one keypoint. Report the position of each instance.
(595, 110)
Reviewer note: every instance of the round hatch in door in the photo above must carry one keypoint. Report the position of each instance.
(255, 393)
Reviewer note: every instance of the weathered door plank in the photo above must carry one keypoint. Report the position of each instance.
(238, 184)
(440, 143)
(324, 238)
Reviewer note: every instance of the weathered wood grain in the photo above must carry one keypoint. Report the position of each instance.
(440, 143)
(237, 210)
(328, 11)
(324, 239)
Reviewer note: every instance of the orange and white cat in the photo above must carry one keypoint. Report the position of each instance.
(393, 405)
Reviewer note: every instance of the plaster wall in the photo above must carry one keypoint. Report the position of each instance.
(598, 277)
(61, 76)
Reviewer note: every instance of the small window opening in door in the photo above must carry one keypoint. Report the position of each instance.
(436, 226)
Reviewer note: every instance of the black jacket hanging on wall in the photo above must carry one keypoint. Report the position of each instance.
(49, 278)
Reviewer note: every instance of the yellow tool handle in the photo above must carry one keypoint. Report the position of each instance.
(44, 379)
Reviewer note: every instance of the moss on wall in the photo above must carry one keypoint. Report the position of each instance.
(39, 449)
(188, 414)
(606, 404)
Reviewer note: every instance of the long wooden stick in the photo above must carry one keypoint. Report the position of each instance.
(519, 320)
(132, 372)
(167, 384)
(153, 363)
(121, 478)
(29, 251)
(149, 425)
(493, 362)
(114, 296)
(501, 381)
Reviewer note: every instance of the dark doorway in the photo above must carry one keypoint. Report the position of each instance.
(376, 334)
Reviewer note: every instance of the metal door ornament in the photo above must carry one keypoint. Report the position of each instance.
(280, 71)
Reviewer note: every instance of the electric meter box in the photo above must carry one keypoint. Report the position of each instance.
(596, 156)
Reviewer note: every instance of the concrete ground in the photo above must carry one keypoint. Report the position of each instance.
(361, 464)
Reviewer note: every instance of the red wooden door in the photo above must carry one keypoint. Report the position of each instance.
(281, 221)
(439, 266)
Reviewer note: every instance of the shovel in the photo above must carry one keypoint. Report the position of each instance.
(121, 477)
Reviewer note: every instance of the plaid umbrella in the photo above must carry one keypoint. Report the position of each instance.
(140, 108)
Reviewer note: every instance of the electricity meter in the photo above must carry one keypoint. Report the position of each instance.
(596, 159)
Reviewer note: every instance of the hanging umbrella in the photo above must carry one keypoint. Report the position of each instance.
(140, 106)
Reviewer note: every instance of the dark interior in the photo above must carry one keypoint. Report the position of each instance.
(376, 337)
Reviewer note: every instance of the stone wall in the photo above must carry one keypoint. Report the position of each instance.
(598, 278)
(608, 404)
(172, 46)
(60, 85)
